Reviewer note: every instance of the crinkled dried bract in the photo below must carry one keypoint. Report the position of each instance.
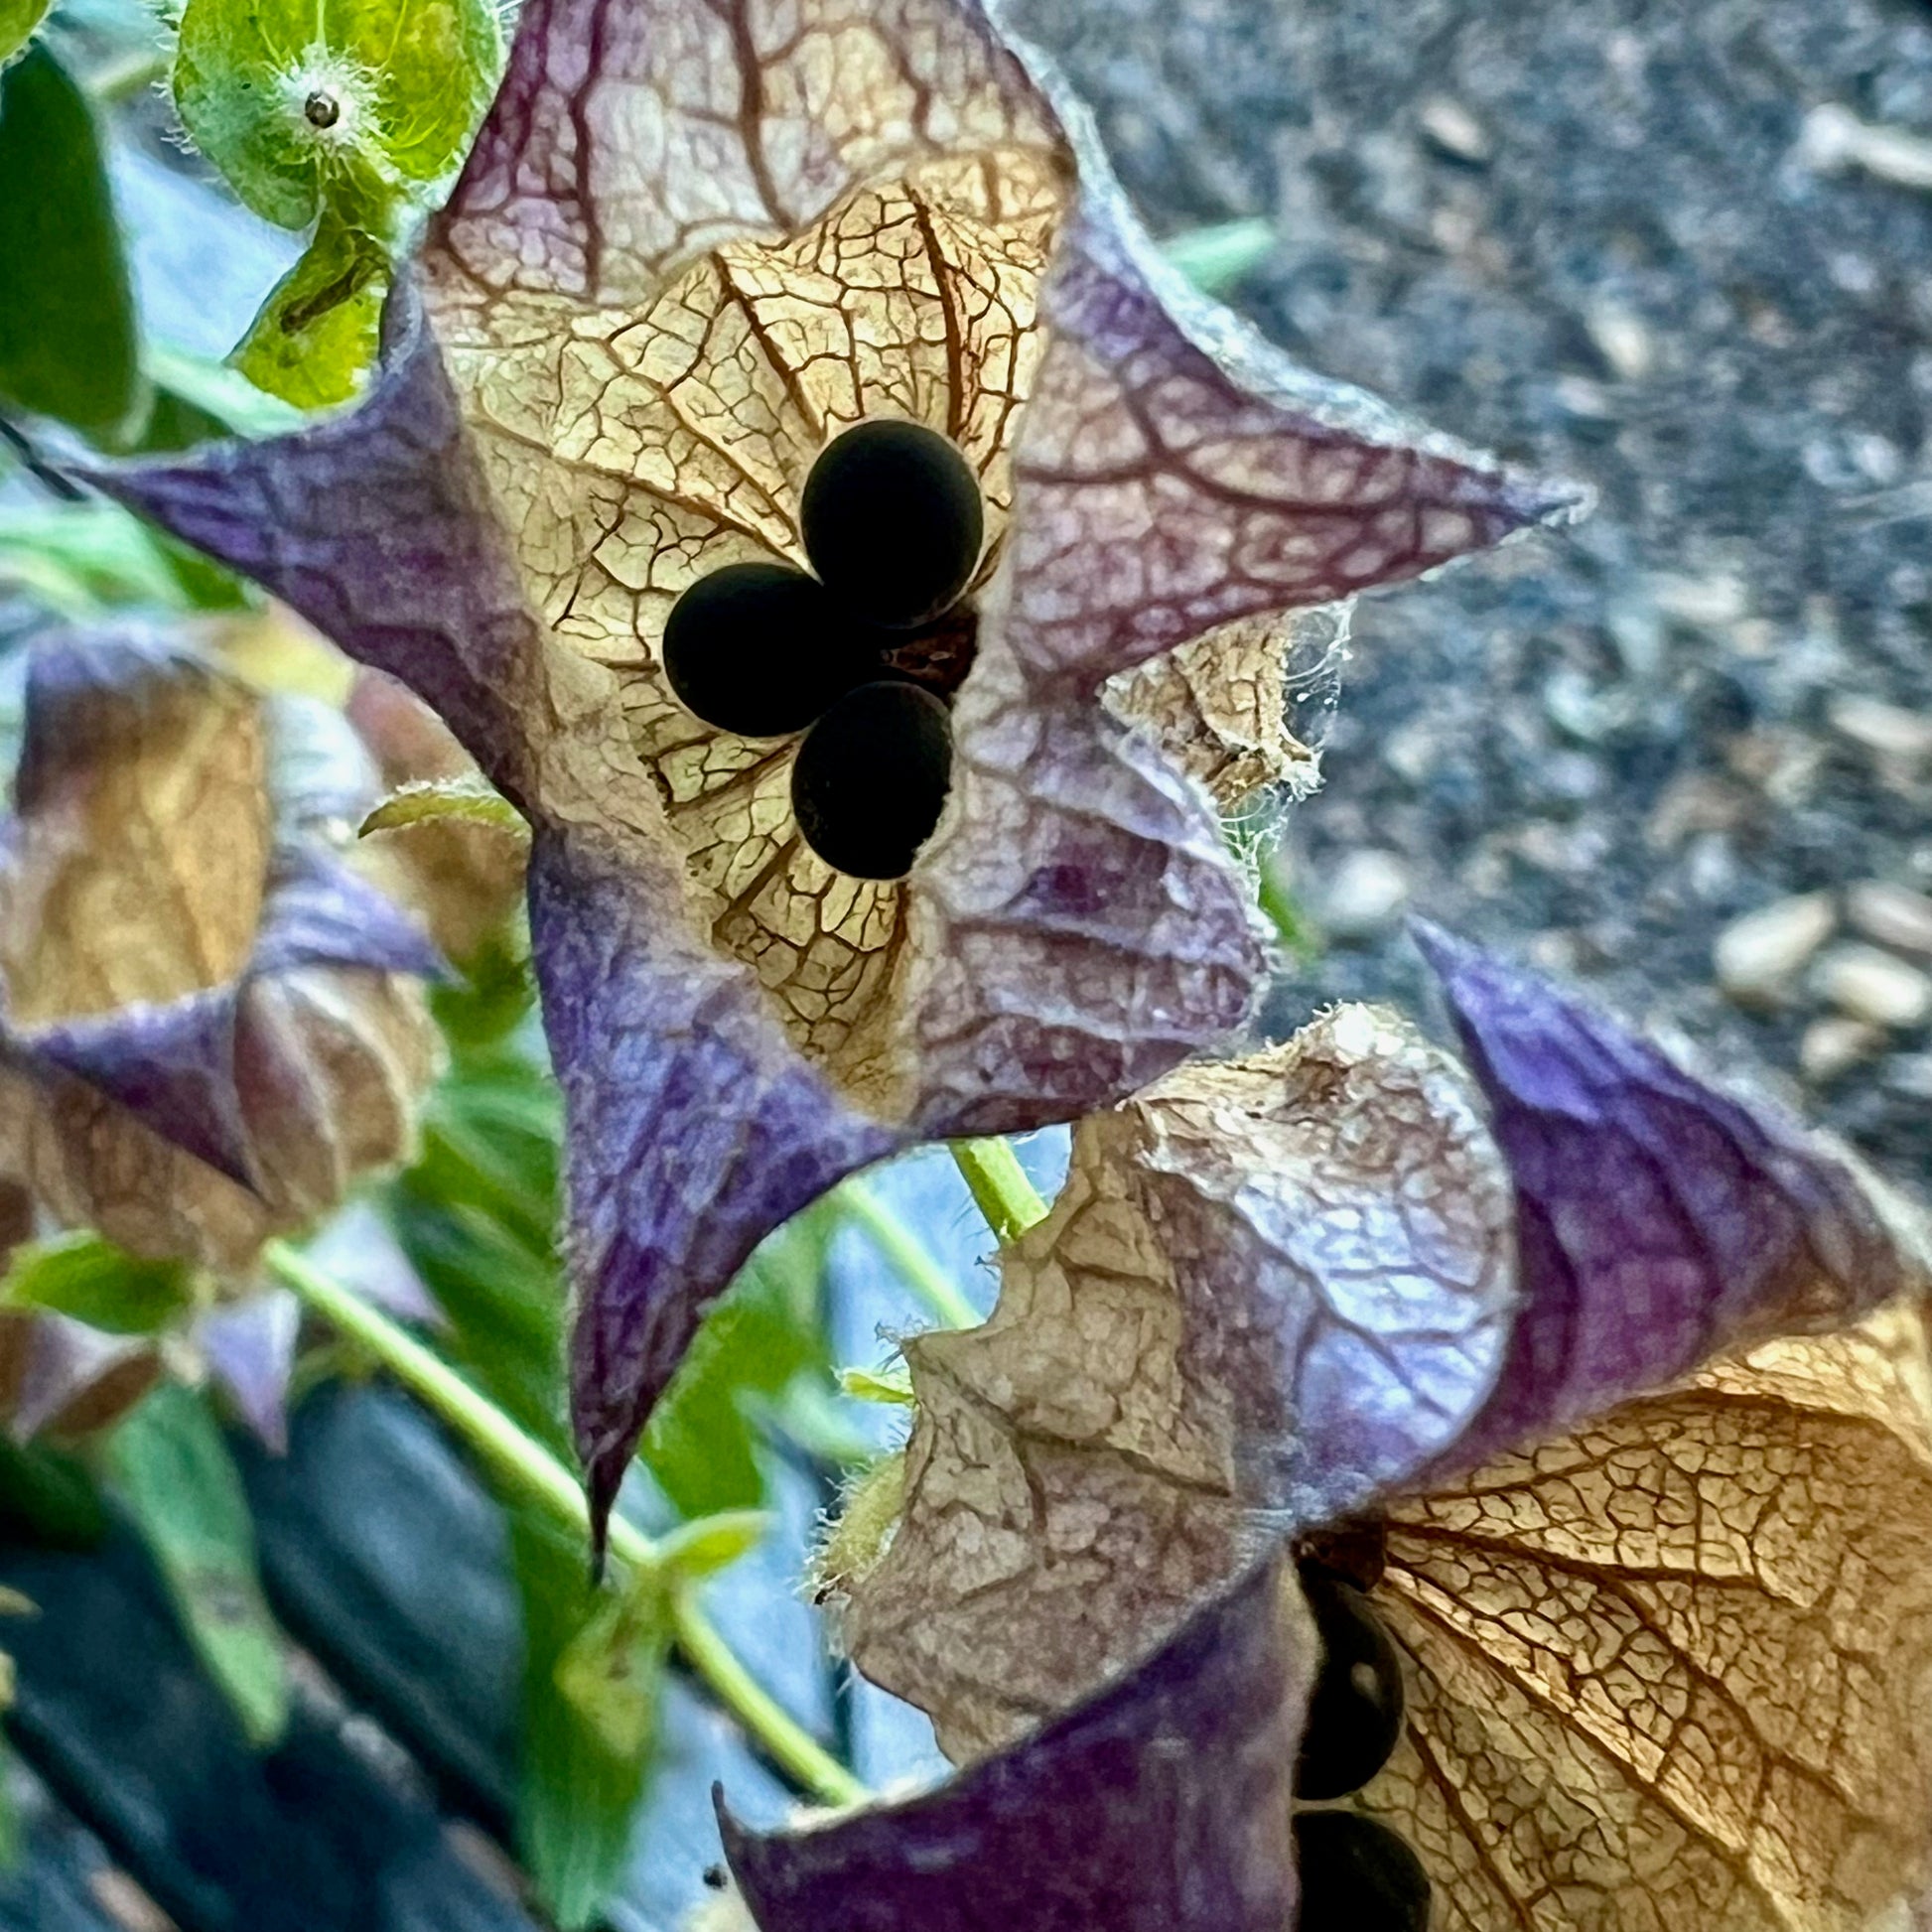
(205, 1032)
(696, 239)
(1674, 1670)
(1278, 1284)
(1221, 706)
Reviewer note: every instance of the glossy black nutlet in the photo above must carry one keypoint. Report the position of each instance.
(1355, 1711)
(871, 778)
(761, 649)
(1357, 1876)
(891, 522)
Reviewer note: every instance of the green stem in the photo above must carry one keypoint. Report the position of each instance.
(999, 1185)
(906, 1253)
(1215, 259)
(117, 81)
(531, 1471)
(1291, 924)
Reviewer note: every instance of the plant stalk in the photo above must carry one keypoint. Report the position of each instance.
(531, 1471)
(999, 1185)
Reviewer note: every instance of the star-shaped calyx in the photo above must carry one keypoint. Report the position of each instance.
(698, 242)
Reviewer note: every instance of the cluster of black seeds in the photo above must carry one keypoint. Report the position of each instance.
(1356, 1874)
(892, 523)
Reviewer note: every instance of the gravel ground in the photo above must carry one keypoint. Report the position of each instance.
(1680, 253)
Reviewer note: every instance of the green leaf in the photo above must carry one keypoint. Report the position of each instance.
(47, 1496)
(13, 1838)
(346, 106)
(611, 1671)
(1284, 913)
(172, 1470)
(891, 1385)
(469, 801)
(17, 19)
(591, 1675)
(83, 559)
(67, 341)
(315, 337)
(220, 394)
(96, 1282)
(767, 1329)
(694, 1550)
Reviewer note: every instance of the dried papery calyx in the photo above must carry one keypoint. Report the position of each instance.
(891, 522)
(1355, 1709)
(693, 243)
(1158, 1804)
(761, 649)
(1356, 1875)
(871, 778)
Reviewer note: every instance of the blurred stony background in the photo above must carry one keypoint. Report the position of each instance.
(1684, 253)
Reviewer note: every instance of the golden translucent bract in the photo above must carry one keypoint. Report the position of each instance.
(639, 450)
(144, 883)
(636, 450)
(1676, 1670)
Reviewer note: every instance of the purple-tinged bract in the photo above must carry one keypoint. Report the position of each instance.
(1158, 1805)
(1659, 1219)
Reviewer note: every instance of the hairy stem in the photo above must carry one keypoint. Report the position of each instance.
(531, 1471)
(999, 1185)
(906, 1253)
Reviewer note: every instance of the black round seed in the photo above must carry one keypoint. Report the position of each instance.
(1357, 1876)
(761, 649)
(1355, 1711)
(892, 521)
(322, 110)
(871, 778)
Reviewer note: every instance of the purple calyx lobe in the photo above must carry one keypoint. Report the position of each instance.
(669, 1187)
(1159, 1805)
